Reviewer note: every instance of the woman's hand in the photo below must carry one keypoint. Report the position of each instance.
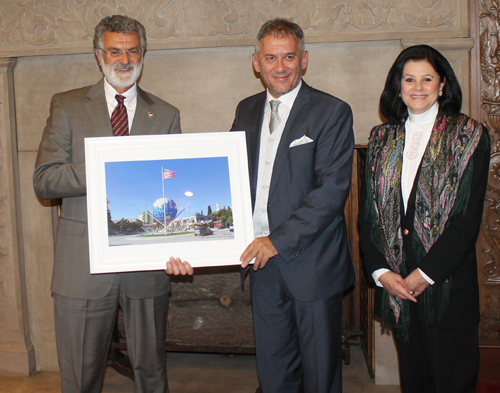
(176, 267)
(393, 283)
(415, 283)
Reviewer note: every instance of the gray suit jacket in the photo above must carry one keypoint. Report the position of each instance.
(60, 173)
(309, 186)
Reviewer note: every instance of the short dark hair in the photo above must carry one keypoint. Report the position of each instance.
(282, 28)
(392, 106)
(119, 24)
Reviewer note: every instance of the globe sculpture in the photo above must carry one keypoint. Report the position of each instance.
(170, 210)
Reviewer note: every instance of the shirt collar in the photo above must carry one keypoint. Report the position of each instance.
(289, 98)
(426, 117)
(130, 95)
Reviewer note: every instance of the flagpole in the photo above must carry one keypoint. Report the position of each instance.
(164, 207)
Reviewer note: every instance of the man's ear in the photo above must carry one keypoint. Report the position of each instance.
(98, 57)
(305, 59)
(255, 61)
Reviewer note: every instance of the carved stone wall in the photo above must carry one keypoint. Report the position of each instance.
(489, 243)
(67, 26)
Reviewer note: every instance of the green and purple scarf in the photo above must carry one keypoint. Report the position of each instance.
(450, 147)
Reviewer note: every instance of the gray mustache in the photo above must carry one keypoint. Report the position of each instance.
(124, 67)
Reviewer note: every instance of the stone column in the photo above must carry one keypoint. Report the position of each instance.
(17, 353)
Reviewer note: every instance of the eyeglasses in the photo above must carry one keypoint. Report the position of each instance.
(119, 53)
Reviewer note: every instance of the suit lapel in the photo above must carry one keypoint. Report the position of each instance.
(293, 127)
(144, 114)
(97, 110)
(253, 140)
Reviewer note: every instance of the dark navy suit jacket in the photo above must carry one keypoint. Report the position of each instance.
(309, 186)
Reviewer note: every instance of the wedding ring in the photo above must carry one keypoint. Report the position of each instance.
(410, 292)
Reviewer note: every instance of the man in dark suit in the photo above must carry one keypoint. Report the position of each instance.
(85, 305)
(300, 147)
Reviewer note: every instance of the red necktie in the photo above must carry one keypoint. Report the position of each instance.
(119, 118)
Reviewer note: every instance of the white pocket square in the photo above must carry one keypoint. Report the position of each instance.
(301, 141)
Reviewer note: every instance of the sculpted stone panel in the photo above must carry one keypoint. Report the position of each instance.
(489, 240)
(67, 26)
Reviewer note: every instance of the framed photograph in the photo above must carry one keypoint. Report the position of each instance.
(156, 196)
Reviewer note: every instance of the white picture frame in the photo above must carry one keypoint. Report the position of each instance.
(110, 156)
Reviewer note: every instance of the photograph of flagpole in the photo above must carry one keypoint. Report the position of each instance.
(194, 199)
(165, 174)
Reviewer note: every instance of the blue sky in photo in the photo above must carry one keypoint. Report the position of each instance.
(131, 184)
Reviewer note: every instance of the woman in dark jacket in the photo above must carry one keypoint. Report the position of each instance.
(420, 214)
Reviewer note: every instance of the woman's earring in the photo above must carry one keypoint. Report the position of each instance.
(400, 94)
(440, 93)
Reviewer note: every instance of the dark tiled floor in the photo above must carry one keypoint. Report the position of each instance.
(200, 373)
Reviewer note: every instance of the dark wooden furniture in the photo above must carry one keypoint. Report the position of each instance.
(485, 107)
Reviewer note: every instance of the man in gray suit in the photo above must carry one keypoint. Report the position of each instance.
(300, 146)
(85, 305)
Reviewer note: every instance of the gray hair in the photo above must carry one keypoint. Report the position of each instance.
(281, 27)
(119, 24)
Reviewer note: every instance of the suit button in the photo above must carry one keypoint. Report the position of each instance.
(406, 231)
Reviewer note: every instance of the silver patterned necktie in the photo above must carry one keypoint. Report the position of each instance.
(275, 120)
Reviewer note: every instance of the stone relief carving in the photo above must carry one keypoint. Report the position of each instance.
(45, 23)
(489, 238)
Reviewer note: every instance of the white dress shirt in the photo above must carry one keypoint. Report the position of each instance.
(130, 101)
(267, 153)
(418, 130)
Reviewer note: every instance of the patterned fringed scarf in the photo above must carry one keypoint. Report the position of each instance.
(451, 145)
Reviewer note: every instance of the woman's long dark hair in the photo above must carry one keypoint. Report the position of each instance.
(392, 106)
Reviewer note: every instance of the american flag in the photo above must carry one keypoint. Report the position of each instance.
(167, 174)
